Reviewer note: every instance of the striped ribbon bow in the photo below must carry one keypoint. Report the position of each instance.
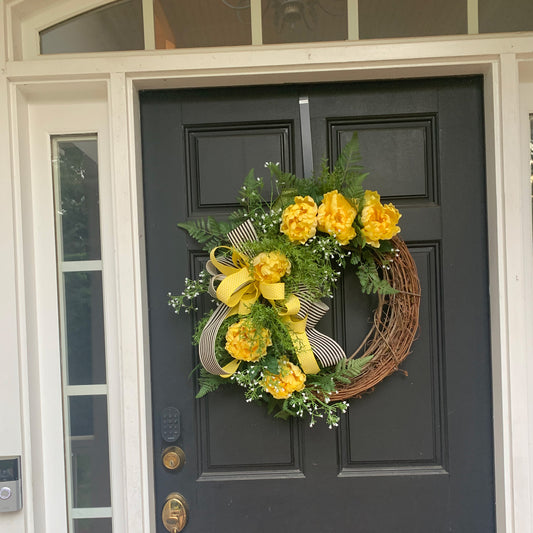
(239, 294)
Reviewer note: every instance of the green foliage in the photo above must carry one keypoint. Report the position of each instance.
(371, 281)
(348, 369)
(209, 232)
(209, 383)
(200, 327)
(347, 176)
(343, 372)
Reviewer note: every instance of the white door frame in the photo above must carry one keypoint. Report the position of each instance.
(27, 86)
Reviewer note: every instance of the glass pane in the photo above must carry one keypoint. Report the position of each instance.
(298, 21)
(79, 207)
(118, 26)
(187, 23)
(501, 16)
(89, 449)
(411, 18)
(92, 525)
(84, 328)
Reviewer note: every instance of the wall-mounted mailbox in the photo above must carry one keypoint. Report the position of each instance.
(10, 485)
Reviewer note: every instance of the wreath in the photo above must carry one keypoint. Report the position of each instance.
(270, 266)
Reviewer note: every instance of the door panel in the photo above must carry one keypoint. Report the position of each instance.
(416, 454)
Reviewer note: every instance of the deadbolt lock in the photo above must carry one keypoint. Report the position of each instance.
(173, 458)
(175, 512)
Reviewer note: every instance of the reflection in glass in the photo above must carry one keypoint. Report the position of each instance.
(511, 15)
(113, 27)
(187, 23)
(77, 164)
(85, 328)
(304, 21)
(89, 451)
(92, 525)
(411, 18)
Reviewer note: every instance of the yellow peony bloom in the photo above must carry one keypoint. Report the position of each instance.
(270, 267)
(379, 221)
(336, 216)
(289, 380)
(245, 342)
(298, 220)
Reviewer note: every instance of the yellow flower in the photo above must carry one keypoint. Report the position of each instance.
(270, 267)
(379, 221)
(245, 342)
(336, 216)
(298, 220)
(289, 380)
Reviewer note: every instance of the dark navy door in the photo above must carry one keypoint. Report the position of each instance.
(416, 455)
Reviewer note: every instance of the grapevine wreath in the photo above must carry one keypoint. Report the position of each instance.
(271, 264)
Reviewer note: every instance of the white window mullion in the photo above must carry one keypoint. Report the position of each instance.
(353, 20)
(85, 390)
(472, 8)
(81, 266)
(91, 512)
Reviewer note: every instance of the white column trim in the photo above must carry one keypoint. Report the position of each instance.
(135, 434)
(513, 337)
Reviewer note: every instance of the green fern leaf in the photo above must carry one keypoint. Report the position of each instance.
(208, 383)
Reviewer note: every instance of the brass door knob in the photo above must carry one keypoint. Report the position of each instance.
(173, 458)
(175, 512)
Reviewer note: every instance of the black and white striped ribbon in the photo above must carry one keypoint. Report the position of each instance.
(242, 235)
(325, 349)
(206, 348)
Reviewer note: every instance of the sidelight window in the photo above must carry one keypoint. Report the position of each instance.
(83, 364)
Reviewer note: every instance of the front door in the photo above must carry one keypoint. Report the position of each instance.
(415, 455)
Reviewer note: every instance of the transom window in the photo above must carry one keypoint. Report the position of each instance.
(169, 24)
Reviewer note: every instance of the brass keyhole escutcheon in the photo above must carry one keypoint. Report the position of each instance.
(173, 458)
(175, 512)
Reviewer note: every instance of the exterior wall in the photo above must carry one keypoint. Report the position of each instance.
(34, 99)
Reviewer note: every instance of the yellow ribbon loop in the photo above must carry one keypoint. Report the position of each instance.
(238, 287)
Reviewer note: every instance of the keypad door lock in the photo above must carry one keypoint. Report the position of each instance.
(10, 485)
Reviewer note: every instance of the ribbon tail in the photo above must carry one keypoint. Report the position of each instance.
(326, 350)
(230, 368)
(206, 348)
(304, 352)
